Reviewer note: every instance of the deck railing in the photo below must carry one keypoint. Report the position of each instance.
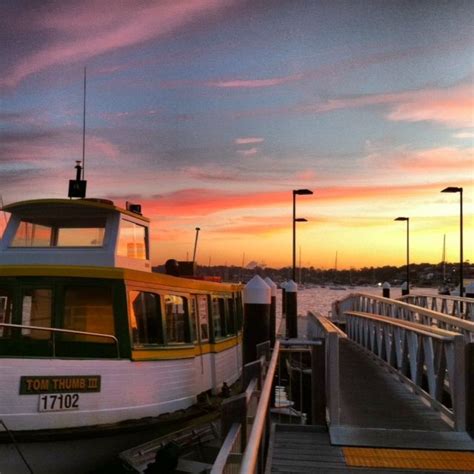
(462, 308)
(246, 424)
(55, 331)
(321, 327)
(431, 360)
(403, 311)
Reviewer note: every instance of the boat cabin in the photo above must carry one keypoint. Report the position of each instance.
(86, 232)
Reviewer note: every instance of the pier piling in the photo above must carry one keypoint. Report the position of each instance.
(291, 291)
(257, 301)
(273, 289)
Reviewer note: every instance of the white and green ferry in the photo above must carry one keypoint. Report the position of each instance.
(89, 335)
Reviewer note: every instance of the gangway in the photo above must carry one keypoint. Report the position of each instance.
(396, 391)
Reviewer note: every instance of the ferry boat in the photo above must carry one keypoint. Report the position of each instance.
(89, 335)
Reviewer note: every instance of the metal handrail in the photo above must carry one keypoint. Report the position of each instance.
(67, 331)
(436, 333)
(466, 326)
(250, 457)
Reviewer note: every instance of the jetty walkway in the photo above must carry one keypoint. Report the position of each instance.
(395, 393)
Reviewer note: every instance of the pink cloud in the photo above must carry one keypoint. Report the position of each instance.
(249, 152)
(452, 107)
(306, 175)
(248, 140)
(442, 161)
(254, 83)
(83, 33)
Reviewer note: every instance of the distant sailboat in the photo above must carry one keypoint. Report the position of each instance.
(444, 287)
(336, 285)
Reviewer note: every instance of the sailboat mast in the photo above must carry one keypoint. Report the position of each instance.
(444, 257)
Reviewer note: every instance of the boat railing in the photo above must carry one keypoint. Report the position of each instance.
(456, 306)
(430, 360)
(396, 309)
(55, 331)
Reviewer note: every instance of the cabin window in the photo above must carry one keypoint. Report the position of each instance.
(61, 234)
(176, 318)
(193, 316)
(218, 317)
(36, 311)
(6, 305)
(132, 240)
(203, 316)
(80, 237)
(145, 318)
(230, 316)
(32, 235)
(88, 309)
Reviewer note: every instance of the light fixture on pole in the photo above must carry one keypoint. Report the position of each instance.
(407, 219)
(453, 189)
(299, 192)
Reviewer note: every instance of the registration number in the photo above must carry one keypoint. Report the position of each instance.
(59, 402)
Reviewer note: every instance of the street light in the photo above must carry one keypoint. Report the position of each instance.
(299, 192)
(453, 189)
(407, 219)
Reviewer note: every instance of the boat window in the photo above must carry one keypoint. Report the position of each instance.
(218, 315)
(203, 315)
(32, 235)
(88, 309)
(175, 307)
(230, 316)
(145, 318)
(80, 237)
(36, 311)
(132, 241)
(193, 317)
(6, 304)
(63, 233)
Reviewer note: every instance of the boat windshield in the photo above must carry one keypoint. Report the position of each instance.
(60, 234)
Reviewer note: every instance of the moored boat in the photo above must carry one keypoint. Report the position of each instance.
(89, 335)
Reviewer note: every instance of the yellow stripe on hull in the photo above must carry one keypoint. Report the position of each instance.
(160, 279)
(185, 352)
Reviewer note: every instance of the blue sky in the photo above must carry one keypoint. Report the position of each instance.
(210, 112)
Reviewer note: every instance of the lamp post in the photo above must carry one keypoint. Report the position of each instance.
(407, 219)
(296, 192)
(453, 189)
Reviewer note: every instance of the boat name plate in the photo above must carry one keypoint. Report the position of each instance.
(35, 385)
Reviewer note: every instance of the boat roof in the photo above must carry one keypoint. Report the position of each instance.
(46, 208)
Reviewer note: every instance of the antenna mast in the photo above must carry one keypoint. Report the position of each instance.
(84, 130)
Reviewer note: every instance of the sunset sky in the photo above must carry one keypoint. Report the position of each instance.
(210, 112)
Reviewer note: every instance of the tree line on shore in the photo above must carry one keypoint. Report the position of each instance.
(422, 274)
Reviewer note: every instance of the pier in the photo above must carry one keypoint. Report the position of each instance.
(396, 380)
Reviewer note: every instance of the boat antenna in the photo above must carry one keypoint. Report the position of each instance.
(84, 128)
(195, 243)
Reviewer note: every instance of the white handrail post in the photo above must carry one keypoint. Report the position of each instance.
(460, 389)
